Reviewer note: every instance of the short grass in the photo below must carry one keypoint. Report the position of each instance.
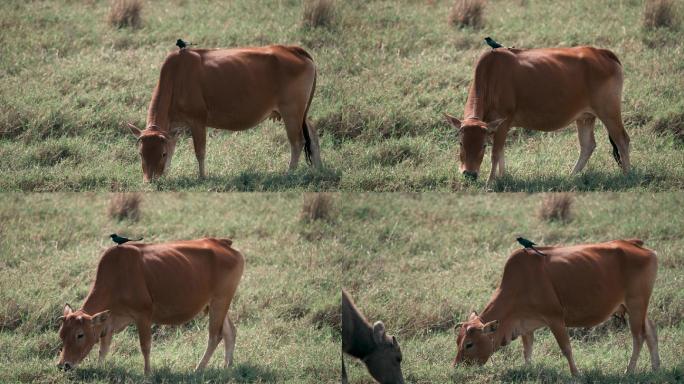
(387, 72)
(422, 262)
(419, 262)
(286, 310)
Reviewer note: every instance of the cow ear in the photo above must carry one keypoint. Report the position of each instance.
(67, 310)
(490, 327)
(134, 130)
(394, 342)
(453, 121)
(378, 332)
(100, 318)
(493, 126)
(457, 327)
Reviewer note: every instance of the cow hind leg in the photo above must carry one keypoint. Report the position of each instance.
(293, 124)
(217, 313)
(585, 133)
(652, 342)
(229, 334)
(637, 326)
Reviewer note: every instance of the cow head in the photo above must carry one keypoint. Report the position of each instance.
(384, 362)
(475, 340)
(156, 149)
(79, 332)
(473, 134)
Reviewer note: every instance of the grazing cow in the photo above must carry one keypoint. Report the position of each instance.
(233, 89)
(145, 284)
(378, 350)
(576, 286)
(542, 90)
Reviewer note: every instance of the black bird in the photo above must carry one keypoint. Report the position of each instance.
(528, 244)
(183, 44)
(120, 240)
(492, 43)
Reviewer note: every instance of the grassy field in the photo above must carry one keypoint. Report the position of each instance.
(422, 262)
(387, 72)
(286, 310)
(419, 262)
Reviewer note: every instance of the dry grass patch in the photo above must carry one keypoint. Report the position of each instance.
(659, 14)
(556, 207)
(318, 13)
(125, 13)
(672, 124)
(467, 13)
(317, 206)
(125, 206)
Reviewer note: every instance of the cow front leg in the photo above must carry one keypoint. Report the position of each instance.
(199, 141)
(585, 134)
(145, 335)
(105, 343)
(561, 335)
(498, 152)
(528, 341)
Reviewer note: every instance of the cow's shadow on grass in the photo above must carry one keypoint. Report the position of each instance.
(590, 180)
(240, 373)
(251, 180)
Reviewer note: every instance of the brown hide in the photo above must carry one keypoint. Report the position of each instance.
(145, 284)
(576, 286)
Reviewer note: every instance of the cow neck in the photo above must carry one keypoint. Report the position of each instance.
(497, 309)
(362, 343)
(160, 104)
(95, 302)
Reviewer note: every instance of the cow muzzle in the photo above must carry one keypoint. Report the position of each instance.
(66, 366)
(470, 175)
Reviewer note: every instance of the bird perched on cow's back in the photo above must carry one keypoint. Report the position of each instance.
(121, 240)
(183, 44)
(492, 43)
(528, 244)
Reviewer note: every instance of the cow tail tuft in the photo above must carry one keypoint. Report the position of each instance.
(305, 125)
(616, 153)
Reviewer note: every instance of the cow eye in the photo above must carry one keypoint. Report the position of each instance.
(164, 154)
(398, 359)
(469, 345)
(79, 336)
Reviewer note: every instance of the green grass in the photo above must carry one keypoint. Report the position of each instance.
(387, 72)
(422, 262)
(419, 262)
(286, 310)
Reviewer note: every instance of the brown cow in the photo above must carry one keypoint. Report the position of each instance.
(233, 89)
(542, 90)
(379, 351)
(145, 284)
(577, 286)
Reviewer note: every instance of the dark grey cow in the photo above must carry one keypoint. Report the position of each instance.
(379, 351)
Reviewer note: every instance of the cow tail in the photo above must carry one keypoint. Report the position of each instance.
(344, 371)
(305, 124)
(616, 153)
